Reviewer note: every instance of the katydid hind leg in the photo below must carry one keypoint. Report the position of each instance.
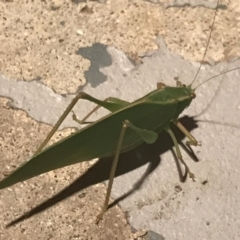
(146, 135)
(178, 152)
(116, 105)
(82, 95)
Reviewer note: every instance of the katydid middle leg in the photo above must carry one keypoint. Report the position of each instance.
(116, 105)
(146, 135)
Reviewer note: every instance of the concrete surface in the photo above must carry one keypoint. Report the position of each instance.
(205, 209)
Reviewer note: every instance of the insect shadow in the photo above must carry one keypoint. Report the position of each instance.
(135, 158)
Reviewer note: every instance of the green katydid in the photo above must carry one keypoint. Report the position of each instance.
(128, 126)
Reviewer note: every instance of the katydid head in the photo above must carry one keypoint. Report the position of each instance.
(188, 91)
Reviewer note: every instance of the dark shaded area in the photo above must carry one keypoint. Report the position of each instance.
(176, 5)
(222, 6)
(129, 161)
(153, 236)
(79, 1)
(98, 56)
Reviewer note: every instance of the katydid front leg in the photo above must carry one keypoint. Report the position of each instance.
(192, 140)
(178, 152)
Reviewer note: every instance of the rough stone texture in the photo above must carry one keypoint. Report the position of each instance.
(188, 37)
(70, 219)
(42, 38)
(39, 41)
